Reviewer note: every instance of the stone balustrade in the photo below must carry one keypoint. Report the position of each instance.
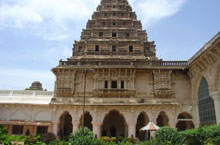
(127, 64)
(26, 93)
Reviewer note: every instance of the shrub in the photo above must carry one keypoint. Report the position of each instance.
(58, 142)
(167, 135)
(77, 138)
(47, 138)
(213, 141)
(31, 140)
(199, 135)
(3, 136)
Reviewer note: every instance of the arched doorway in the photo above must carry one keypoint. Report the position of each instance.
(142, 120)
(65, 126)
(184, 122)
(114, 125)
(87, 121)
(162, 119)
(206, 104)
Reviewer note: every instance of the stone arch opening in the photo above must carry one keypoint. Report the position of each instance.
(162, 119)
(114, 124)
(142, 120)
(65, 125)
(206, 105)
(87, 121)
(184, 122)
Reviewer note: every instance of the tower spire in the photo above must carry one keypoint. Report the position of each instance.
(114, 30)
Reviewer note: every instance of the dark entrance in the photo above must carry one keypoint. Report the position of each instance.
(87, 121)
(114, 125)
(162, 119)
(66, 126)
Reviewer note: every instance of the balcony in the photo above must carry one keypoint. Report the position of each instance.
(113, 93)
(163, 93)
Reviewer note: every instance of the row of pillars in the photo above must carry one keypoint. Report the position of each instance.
(96, 129)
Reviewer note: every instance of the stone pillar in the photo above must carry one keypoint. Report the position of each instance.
(195, 113)
(55, 128)
(132, 130)
(10, 127)
(75, 126)
(50, 128)
(97, 129)
(35, 130)
(172, 121)
(216, 98)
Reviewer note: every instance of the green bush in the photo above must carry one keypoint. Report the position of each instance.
(201, 135)
(78, 139)
(59, 142)
(33, 140)
(213, 141)
(169, 136)
(47, 138)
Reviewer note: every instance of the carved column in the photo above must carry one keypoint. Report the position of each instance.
(55, 128)
(97, 129)
(132, 130)
(216, 98)
(195, 112)
(10, 127)
(75, 126)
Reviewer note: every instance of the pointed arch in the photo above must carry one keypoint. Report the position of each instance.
(206, 104)
(65, 124)
(162, 119)
(87, 120)
(114, 124)
(185, 121)
(142, 120)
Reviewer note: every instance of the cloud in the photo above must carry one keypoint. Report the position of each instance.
(151, 11)
(49, 19)
(22, 78)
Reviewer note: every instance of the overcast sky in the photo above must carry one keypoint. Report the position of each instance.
(35, 34)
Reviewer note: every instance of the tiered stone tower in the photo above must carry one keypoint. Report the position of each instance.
(115, 68)
(114, 31)
(112, 39)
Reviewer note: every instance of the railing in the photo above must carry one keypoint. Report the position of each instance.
(109, 53)
(26, 93)
(126, 63)
(109, 93)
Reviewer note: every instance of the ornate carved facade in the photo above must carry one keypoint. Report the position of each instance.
(124, 83)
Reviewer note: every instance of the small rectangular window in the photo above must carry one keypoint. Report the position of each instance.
(131, 48)
(127, 35)
(100, 34)
(42, 130)
(106, 84)
(97, 48)
(80, 49)
(114, 85)
(113, 48)
(122, 84)
(114, 34)
(113, 23)
(17, 129)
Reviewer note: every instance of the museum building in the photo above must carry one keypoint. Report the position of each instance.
(115, 68)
